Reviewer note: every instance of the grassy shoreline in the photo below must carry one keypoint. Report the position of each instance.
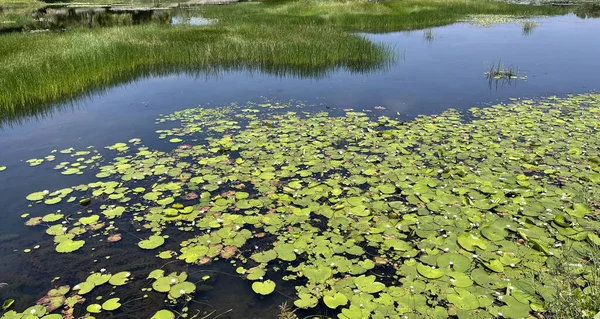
(280, 37)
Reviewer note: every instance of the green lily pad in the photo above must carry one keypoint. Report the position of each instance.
(163, 284)
(163, 314)
(34, 197)
(469, 241)
(7, 304)
(463, 299)
(494, 265)
(98, 278)
(84, 287)
(69, 246)
(263, 288)
(335, 299)
(429, 272)
(180, 289)
(306, 301)
(111, 304)
(52, 218)
(119, 279)
(94, 308)
(152, 242)
(368, 284)
(89, 220)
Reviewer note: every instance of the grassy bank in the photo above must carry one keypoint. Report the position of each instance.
(304, 38)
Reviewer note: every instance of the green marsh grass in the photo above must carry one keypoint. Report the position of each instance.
(576, 298)
(301, 38)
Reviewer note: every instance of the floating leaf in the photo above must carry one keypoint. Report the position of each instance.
(111, 304)
(429, 272)
(119, 279)
(152, 242)
(334, 300)
(368, 284)
(180, 289)
(94, 308)
(469, 241)
(84, 287)
(263, 288)
(69, 246)
(163, 314)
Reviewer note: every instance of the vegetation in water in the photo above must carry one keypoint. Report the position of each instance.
(300, 38)
(370, 217)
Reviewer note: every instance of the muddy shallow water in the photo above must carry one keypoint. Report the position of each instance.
(434, 70)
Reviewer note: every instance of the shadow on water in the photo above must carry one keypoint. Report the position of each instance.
(15, 116)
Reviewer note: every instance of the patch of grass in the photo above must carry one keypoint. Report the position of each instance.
(43, 67)
(576, 298)
(302, 38)
(364, 16)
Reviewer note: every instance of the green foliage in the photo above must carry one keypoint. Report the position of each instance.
(298, 38)
(474, 225)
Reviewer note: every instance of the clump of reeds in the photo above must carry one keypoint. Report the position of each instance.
(528, 27)
(285, 312)
(502, 72)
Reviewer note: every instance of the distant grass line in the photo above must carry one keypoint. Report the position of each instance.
(302, 38)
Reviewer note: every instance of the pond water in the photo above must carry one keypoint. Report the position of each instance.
(434, 70)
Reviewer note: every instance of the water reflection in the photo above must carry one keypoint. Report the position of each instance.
(61, 18)
(428, 35)
(588, 10)
(14, 116)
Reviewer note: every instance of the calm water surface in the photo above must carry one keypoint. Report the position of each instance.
(434, 70)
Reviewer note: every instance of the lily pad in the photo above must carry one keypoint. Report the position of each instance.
(180, 289)
(429, 272)
(94, 308)
(69, 246)
(163, 314)
(152, 242)
(111, 304)
(334, 300)
(263, 288)
(119, 279)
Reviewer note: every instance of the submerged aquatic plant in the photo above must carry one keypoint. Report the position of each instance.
(285, 312)
(528, 27)
(367, 216)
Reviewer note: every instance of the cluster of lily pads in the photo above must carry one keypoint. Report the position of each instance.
(373, 217)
